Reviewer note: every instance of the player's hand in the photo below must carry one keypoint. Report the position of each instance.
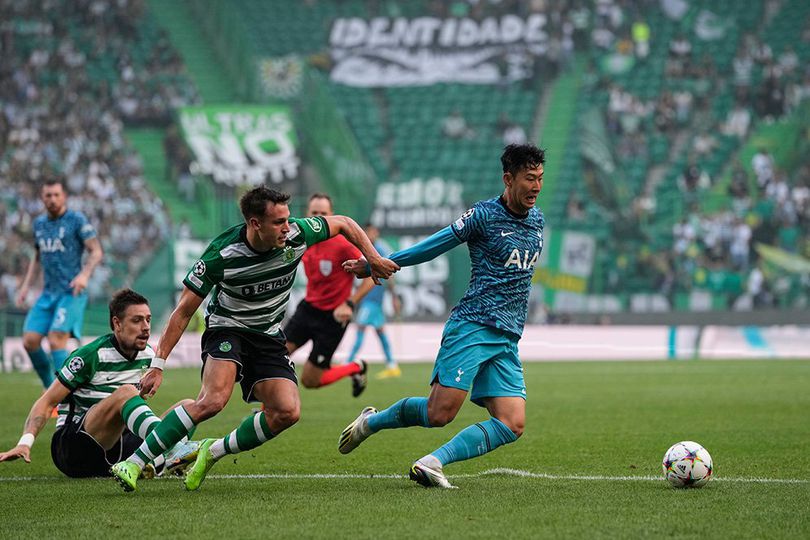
(22, 295)
(382, 269)
(358, 267)
(78, 284)
(343, 314)
(150, 382)
(19, 451)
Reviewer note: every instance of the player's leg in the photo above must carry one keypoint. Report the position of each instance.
(282, 408)
(453, 373)
(500, 388)
(318, 371)
(106, 420)
(218, 378)
(37, 323)
(269, 377)
(40, 360)
(67, 321)
(391, 367)
(358, 341)
(58, 342)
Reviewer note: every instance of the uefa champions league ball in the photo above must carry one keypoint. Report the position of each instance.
(687, 464)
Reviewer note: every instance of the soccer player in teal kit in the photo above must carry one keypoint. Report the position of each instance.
(61, 236)
(479, 349)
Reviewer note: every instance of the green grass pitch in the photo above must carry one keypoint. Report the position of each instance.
(597, 421)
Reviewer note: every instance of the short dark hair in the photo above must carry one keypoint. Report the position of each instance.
(53, 181)
(121, 300)
(517, 157)
(254, 202)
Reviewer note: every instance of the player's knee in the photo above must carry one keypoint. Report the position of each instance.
(32, 343)
(126, 391)
(209, 406)
(439, 417)
(516, 425)
(310, 382)
(283, 417)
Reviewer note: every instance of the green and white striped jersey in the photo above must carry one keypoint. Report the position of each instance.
(94, 371)
(251, 289)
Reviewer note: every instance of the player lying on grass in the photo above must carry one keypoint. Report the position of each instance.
(101, 416)
(479, 348)
(250, 268)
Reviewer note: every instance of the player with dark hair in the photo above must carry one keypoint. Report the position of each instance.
(327, 308)
(249, 270)
(61, 236)
(479, 348)
(101, 416)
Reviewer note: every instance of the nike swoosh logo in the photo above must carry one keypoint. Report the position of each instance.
(504, 233)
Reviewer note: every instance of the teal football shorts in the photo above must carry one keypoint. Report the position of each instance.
(480, 358)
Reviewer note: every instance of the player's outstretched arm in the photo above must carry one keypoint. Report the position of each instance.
(37, 418)
(380, 268)
(428, 249)
(94, 256)
(178, 322)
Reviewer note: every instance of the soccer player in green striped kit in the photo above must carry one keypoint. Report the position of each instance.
(101, 415)
(248, 270)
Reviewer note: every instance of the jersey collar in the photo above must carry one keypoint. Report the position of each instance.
(118, 348)
(513, 214)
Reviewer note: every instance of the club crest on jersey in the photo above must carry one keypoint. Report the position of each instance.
(199, 268)
(289, 254)
(325, 266)
(522, 260)
(75, 364)
(314, 224)
(225, 346)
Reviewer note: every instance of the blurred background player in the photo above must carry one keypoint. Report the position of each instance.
(249, 269)
(324, 313)
(370, 312)
(101, 414)
(479, 347)
(60, 237)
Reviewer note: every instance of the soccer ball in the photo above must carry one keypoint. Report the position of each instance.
(687, 464)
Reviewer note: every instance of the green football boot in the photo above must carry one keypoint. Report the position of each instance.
(205, 460)
(126, 473)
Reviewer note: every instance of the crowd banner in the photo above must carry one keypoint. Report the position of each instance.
(386, 52)
(241, 144)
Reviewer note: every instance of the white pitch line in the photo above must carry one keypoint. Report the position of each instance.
(490, 472)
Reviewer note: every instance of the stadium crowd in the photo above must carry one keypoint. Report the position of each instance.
(703, 117)
(72, 74)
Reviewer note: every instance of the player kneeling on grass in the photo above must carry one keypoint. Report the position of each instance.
(101, 415)
(479, 352)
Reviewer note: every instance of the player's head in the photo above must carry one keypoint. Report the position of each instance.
(130, 319)
(266, 214)
(320, 204)
(372, 231)
(54, 196)
(522, 175)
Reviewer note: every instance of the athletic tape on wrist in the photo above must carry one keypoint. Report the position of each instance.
(157, 363)
(26, 440)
